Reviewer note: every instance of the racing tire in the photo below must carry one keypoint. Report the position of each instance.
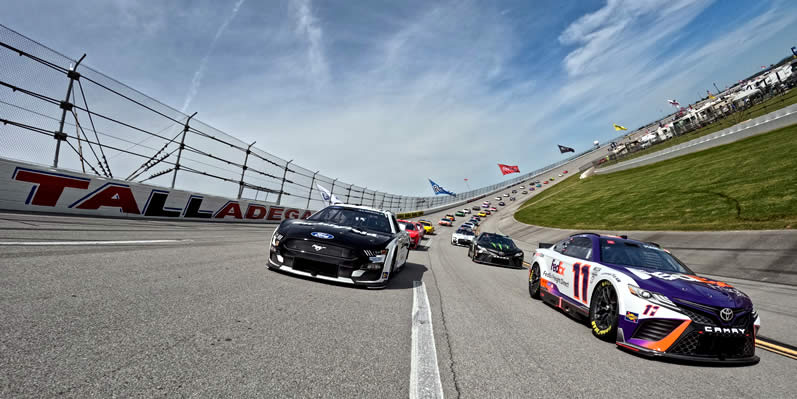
(534, 281)
(603, 312)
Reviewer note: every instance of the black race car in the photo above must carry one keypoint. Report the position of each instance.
(344, 243)
(476, 208)
(502, 203)
(496, 249)
(511, 198)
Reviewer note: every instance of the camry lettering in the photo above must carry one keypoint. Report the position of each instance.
(723, 330)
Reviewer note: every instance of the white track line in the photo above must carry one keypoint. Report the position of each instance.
(424, 374)
(43, 243)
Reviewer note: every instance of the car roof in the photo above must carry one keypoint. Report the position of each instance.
(621, 238)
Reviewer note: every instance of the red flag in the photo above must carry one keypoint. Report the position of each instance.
(507, 169)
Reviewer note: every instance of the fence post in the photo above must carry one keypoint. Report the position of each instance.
(243, 170)
(373, 200)
(348, 193)
(282, 185)
(362, 196)
(310, 194)
(60, 136)
(180, 150)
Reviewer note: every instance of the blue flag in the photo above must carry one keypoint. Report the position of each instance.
(439, 190)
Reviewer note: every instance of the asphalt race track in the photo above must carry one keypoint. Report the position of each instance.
(176, 309)
(202, 316)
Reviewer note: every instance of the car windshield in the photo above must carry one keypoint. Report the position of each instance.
(626, 253)
(494, 241)
(407, 226)
(360, 219)
(465, 232)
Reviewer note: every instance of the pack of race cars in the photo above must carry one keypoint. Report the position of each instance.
(633, 293)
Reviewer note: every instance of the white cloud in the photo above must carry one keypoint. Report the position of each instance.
(196, 81)
(309, 28)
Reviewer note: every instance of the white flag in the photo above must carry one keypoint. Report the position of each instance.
(329, 198)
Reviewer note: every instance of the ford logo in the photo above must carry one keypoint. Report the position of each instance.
(324, 236)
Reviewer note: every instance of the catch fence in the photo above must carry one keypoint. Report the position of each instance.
(56, 111)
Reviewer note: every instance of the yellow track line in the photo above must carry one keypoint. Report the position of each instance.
(790, 353)
(775, 351)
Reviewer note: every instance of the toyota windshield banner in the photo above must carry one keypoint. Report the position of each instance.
(33, 188)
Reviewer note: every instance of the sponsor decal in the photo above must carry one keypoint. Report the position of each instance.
(385, 275)
(632, 317)
(555, 279)
(324, 236)
(677, 276)
(48, 188)
(556, 267)
(723, 330)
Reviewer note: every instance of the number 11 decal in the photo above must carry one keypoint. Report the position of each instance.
(581, 284)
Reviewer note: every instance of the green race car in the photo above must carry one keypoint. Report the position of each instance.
(460, 213)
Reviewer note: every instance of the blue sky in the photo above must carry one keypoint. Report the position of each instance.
(388, 93)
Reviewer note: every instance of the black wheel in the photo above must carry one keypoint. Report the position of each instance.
(534, 281)
(603, 312)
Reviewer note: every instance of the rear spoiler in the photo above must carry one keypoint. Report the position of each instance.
(544, 245)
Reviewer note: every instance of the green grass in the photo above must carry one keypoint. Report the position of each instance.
(747, 185)
(773, 104)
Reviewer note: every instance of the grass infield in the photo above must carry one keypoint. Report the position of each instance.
(747, 185)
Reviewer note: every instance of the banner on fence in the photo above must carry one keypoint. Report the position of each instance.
(33, 188)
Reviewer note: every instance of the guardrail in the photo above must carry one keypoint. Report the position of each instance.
(56, 111)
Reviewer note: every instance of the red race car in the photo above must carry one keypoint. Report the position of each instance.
(420, 229)
(412, 229)
(445, 222)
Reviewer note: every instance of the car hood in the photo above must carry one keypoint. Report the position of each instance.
(344, 235)
(690, 288)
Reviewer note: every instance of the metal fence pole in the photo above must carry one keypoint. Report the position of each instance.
(282, 185)
(243, 170)
(310, 194)
(332, 190)
(180, 150)
(348, 193)
(60, 136)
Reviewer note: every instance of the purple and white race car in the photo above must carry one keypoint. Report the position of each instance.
(644, 299)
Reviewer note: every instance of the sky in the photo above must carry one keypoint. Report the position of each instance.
(389, 93)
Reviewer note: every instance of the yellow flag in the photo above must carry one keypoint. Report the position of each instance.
(618, 127)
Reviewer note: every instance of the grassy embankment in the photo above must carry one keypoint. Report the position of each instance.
(747, 185)
(773, 104)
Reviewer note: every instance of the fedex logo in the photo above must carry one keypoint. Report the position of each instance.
(48, 187)
(556, 267)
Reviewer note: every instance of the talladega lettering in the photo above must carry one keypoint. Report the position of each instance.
(48, 187)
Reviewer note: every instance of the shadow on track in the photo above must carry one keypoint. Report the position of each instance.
(406, 276)
(401, 280)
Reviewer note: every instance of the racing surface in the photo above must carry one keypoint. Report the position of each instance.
(202, 316)
(189, 309)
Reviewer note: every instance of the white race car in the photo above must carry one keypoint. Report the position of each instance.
(462, 237)
(644, 299)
